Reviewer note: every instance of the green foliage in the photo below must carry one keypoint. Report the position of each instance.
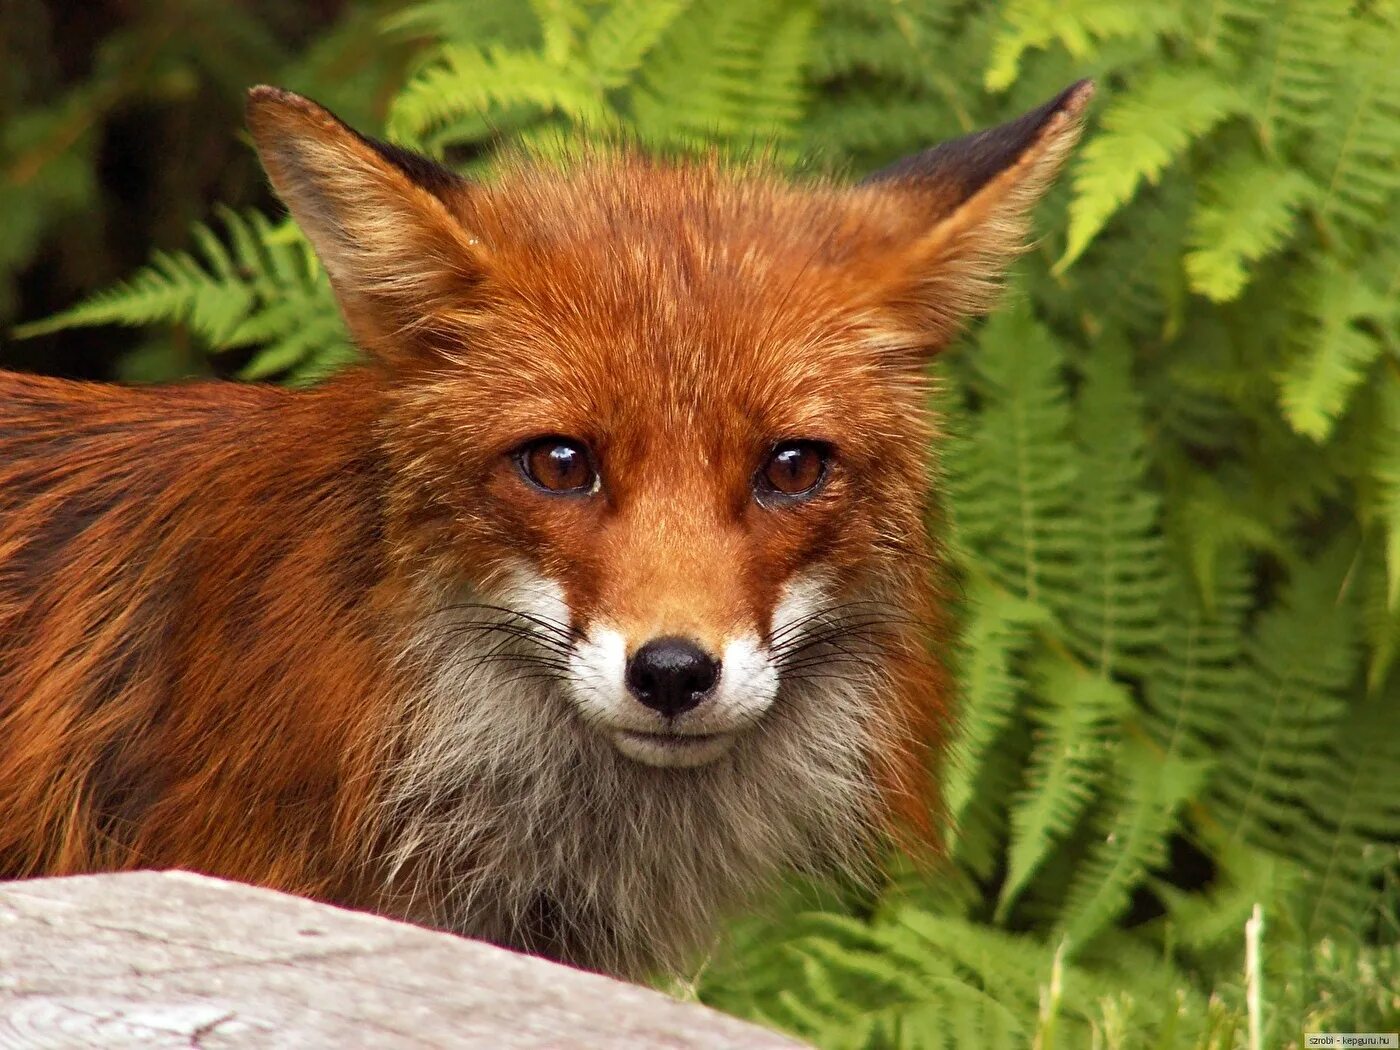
(131, 152)
(1015, 516)
(1172, 473)
(1146, 129)
(673, 72)
(1247, 211)
(263, 290)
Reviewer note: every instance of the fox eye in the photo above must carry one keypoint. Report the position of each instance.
(794, 470)
(558, 465)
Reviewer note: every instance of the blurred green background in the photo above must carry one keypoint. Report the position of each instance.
(1172, 462)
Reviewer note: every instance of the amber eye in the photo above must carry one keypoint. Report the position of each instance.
(794, 469)
(558, 465)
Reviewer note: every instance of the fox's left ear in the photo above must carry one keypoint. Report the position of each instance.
(968, 202)
(384, 221)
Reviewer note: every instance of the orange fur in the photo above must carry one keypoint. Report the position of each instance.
(213, 598)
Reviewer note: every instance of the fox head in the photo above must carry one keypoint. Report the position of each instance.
(661, 429)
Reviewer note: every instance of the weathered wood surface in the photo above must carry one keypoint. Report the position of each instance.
(156, 960)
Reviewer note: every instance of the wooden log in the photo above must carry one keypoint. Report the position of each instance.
(170, 959)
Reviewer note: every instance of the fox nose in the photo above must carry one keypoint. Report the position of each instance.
(671, 675)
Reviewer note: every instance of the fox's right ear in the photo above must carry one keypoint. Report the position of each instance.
(968, 203)
(383, 221)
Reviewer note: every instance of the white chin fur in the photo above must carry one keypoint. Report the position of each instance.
(670, 749)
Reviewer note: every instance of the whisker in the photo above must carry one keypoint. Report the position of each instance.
(511, 630)
(565, 632)
(832, 661)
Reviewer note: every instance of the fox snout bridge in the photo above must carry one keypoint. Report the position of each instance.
(671, 675)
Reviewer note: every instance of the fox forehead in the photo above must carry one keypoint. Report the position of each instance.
(680, 295)
(726, 216)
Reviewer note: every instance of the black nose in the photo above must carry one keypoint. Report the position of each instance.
(671, 675)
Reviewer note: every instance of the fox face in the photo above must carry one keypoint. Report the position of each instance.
(656, 439)
(669, 417)
(676, 457)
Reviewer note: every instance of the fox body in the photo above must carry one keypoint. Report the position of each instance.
(597, 597)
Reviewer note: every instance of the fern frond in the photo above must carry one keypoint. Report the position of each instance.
(1380, 619)
(470, 82)
(897, 45)
(732, 72)
(1247, 210)
(1333, 351)
(1301, 658)
(1214, 27)
(1353, 826)
(211, 294)
(1113, 617)
(1142, 132)
(1358, 142)
(1193, 689)
(625, 34)
(998, 633)
(1011, 475)
(1119, 287)
(1076, 714)
(262, 289)
(1385, 472)
(1299, 51)
(1144, 815)
(1076, 25)
(562, 22)
(1008, 967)
(872, 126)
(171, 288)
(1209, 921)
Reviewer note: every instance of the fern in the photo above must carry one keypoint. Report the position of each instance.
(623, 37)
(1350, 841)
(1247, 211)
(469, 84)
(1077, 26)
(884, 39)
(1076, 725)
(1144, 131)
(1360, 139)
(1144, 815)
(264, 289)
(1385, 470)
(1113, 616)
(998, 634)
(1301, 49)
(1299, 661)
(1334, 348)
(1014, 520)
(1193, 690)
(731, 72)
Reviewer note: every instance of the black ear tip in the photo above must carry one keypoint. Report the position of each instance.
(971, 160)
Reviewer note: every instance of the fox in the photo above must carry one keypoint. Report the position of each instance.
(598, 597)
